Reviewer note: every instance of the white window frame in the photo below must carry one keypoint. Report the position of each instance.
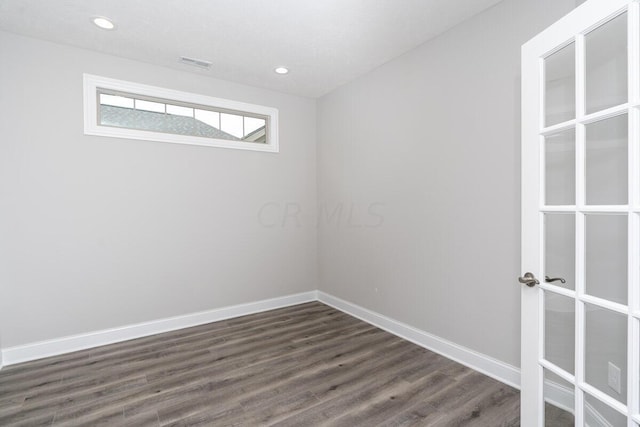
(93, 83)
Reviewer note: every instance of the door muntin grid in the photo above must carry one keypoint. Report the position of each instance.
(603, 192)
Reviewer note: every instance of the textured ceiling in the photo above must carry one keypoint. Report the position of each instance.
(325, 43)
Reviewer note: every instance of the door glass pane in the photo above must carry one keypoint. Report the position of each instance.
(606, 350)
(607, 162)
(606, 257)
(559, 330)
(560, 86)
(606, 65)
(560, 249)
(598, 414)
(558, 398)
(560, 168)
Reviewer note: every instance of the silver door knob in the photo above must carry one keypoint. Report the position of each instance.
(528, 279)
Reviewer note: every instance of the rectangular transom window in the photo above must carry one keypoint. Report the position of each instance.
(121, 109)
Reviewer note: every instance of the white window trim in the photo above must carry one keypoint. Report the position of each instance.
(91, 126)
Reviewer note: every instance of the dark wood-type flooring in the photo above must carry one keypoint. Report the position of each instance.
(304, 365)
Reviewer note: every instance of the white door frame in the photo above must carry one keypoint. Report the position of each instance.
(573, 27)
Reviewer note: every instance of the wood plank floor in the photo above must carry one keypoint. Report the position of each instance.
(304, 365)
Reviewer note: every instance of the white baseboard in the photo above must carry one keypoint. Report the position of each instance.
(496, 369)
(482, 363)
(38, 350)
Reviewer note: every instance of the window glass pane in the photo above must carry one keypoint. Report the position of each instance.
(605, 345)
(606, 65)
(559, 401)
(146, 112)
(559, 330)
(252, 124)
(149, 106)
(211, 118)
(178, 124)
(560, 86)
(560, 249)
(179, 110)
(259, 134)
(560, 168)
(116, 101)
(133, 119)
(232, 124)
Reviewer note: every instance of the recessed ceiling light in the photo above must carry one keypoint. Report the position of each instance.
(281, 70)
(104, 23)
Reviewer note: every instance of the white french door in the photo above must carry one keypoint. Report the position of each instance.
(581, 219)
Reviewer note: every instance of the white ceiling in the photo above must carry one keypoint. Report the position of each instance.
(325, 43)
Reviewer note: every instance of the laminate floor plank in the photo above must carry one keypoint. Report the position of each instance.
(302, 365)
(144, 419)
(117, 353)
(199, 362)
(325, 384)
(338, 400)
(169, 386)
(453, 404)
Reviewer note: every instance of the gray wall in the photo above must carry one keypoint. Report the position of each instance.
(432, 140)
(103, 232)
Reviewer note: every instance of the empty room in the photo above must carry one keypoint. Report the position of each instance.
(320, 213)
